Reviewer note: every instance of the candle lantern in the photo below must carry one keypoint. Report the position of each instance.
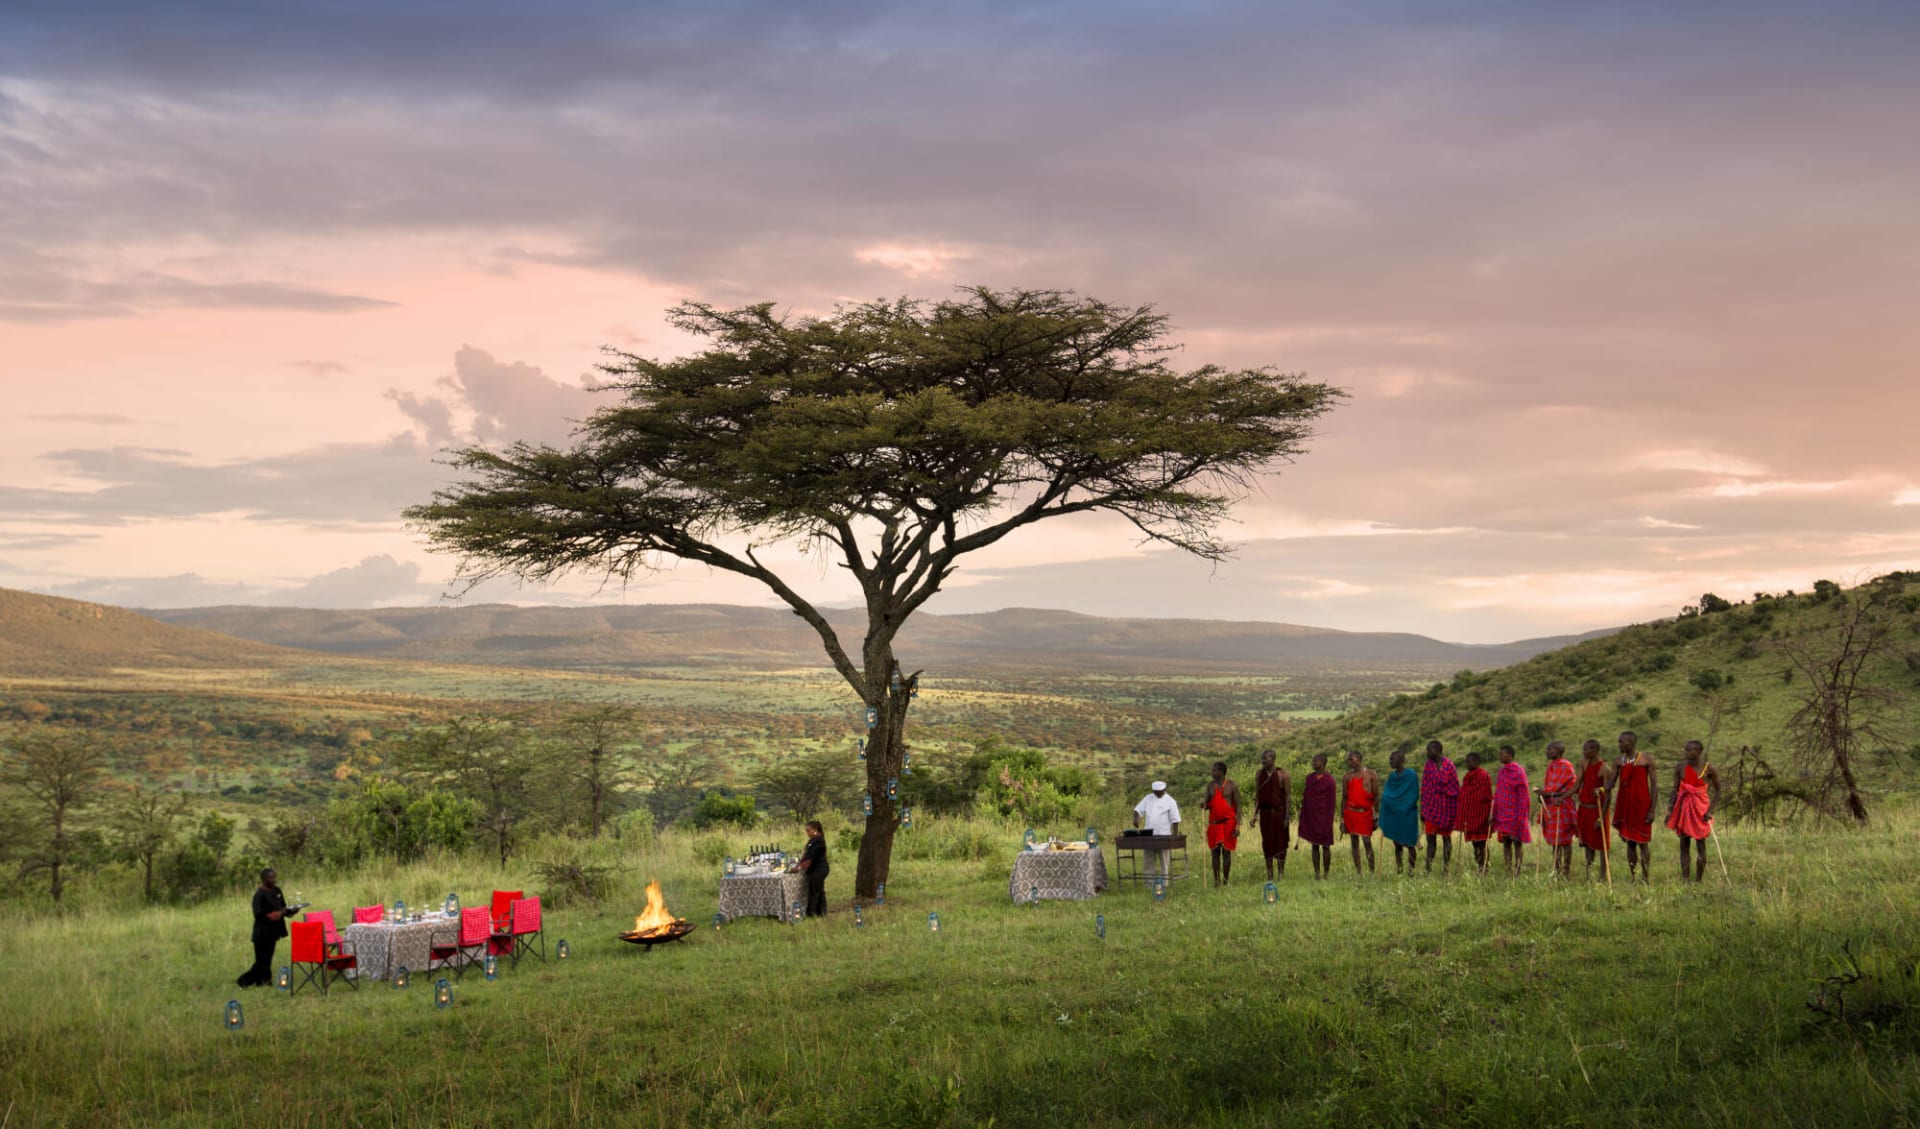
(452, 904)
(859, 918)
(729, 869)
(1273, 893)
(1093, 836)
(492, 965)
(880, 894)
(866, 802)
(442, 993)
(873, 717)
(860, 746)
(235, 1020)
(933, 923)
(400, 909)
(1159, 889)
(283, 979)
(1033, 895)
(799, 911)
(564, 951)
(896, 680)
(1100, 925)
(401, 977)
(719, 919)
(1029, 837)
(906, 817)
(893, 787)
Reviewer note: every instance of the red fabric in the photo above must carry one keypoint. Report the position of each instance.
(1633, 803)
(368, 915)
(309, 942)
(1431, 829)
(1476, 804)
(1557, 816)
(1587, 822)
(1513, 804)
(502, 904)
(325, 918)
(1357, 816)
(1223, 825)
(1691, 815)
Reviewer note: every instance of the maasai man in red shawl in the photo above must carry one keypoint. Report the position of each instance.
(1271, 805)
(1319, 797)
(1512, 810)
(1634, 791)
(1476, 809)
(1361, 808)
(1222, 802)
(1690, 812)
(1439, 804)
(1556, 807)
(1590, 819)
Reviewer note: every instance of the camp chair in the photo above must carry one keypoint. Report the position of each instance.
(368, 915)
(461, 945)
(501, 908)
(525, 931)
(315, 961)
(325, 917)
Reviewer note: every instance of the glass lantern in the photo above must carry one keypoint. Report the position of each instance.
(873, 717)
(442, 993)
(1159, 889)
(859, 918)
(1029, 838)
(1100, 925)
(880, 894)
(893, 787)
(933, 923)
(492, 965)
(1093, 836)
(563, 951)
(1273, 893)
(400, 910)
(906, 817)
(719, 919)
(235, 1019)
(729, 869)
(799, 911)
(866, 803)
(452, 904)
(860, 746)
(283, 979)
(1033, 895)
(401, 976)
(896, 680)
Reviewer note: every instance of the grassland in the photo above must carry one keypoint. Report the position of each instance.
(1357, 1001)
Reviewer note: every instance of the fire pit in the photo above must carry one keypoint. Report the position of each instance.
(655, 926)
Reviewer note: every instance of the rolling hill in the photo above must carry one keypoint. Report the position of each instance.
(48, 635)
(679, 635)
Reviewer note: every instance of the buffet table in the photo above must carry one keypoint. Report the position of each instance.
(769, 894)
(1133, 856)
(1070, 874)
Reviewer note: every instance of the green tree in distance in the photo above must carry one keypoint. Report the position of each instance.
(896, 437)
(60, 774)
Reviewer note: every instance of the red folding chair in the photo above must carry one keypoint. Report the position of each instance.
(368, 915)
(316, 961)
(325, 917)
(502, 908)
(462, 945)
(525, 930)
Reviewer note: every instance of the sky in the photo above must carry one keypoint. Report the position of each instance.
(1623, 295)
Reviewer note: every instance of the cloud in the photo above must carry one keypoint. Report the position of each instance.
(98, 419)
(373, 582)
(41, 289)
(319, 369)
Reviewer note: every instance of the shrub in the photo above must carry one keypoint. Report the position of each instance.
(715, 810)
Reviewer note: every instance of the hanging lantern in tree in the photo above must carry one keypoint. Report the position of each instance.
(564, 951)
(235, 1020)
(880, 894)
(893, 787)
(896, 680)
(442, 994)
(401, 977)
(860, 746)
(866, 802)
(873, 717)
(906, 817)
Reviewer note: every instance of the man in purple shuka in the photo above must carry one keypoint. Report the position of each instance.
(1439, 804)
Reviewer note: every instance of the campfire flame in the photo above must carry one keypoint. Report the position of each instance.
(656, 915)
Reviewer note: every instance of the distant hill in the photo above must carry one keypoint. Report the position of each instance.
(669, 635)
(1649, 678)
(49, 636)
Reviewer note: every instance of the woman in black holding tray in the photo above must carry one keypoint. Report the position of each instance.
(813, 864)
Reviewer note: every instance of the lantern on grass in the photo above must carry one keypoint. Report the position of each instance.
(799, 911)
(1093, 836)
(442, 993)
(283, 979)
(564, 951)
(859, 918)
(401, 976)
(933, 923)
(1100, 926)
(492, 965)
(880, 894)
(235, 1020)
(1159, 889)
(1273, 893)
(866, 802)
(719, 919)
(452, 904)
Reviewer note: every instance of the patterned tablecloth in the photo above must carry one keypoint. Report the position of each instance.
(384, 947)
(1074, 875)
(762, 895)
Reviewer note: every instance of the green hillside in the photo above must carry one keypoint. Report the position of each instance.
(1723, 676)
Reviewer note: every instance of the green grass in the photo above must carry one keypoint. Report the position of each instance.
(1352, 1002)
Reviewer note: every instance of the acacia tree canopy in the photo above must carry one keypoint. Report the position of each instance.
(896, 436)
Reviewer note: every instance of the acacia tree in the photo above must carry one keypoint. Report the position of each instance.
(896, 437)
(1844, 704)
(60, 773)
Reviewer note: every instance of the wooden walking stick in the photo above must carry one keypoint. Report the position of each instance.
(1714, 834)
(1606, 841)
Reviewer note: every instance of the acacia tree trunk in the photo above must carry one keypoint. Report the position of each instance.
(886, 758)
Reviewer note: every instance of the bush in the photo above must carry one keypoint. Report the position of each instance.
(715, 810)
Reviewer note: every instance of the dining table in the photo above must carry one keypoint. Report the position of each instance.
(382, 947)
(763, 892)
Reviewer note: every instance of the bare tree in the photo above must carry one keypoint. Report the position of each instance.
(592, 762)
(143, 823)
(59, 773)
(1844, 706)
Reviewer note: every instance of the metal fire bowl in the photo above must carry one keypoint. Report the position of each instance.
(661, 936)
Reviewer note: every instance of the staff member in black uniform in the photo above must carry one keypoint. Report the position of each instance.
(269, 925)
(813, 864)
